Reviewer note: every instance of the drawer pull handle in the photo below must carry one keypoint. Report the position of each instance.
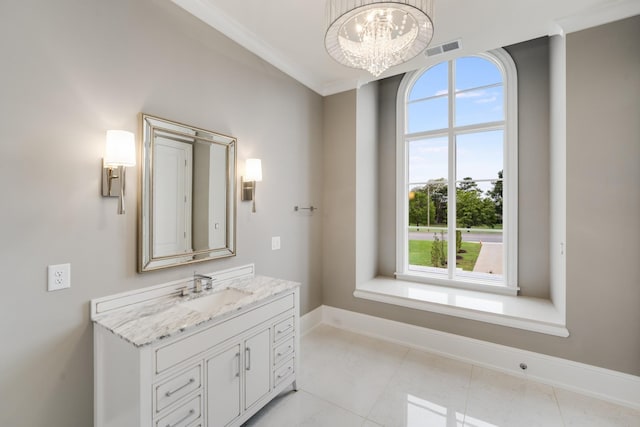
(285, 352)
(285, 374)
(171, 392)
(280, 331)
(191, 412)
(247, 362)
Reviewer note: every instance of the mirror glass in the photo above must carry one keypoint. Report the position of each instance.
(187, 197)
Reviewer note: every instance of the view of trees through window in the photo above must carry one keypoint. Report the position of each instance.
(456, 144)
(478, 215)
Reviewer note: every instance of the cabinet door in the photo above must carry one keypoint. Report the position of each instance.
(223, 387)
(257, 367)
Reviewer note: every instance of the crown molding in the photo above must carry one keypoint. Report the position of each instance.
(218, 19)
(339, 86)
(594, 17)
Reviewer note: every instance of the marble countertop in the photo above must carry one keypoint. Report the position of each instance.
(146, 323)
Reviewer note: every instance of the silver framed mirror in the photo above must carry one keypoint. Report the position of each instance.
(187, 197)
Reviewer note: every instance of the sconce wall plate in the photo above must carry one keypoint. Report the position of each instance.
(253, 174)
(247, 190)
(111, 180)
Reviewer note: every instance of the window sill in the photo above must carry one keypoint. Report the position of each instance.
(471, 283)
(532, 314)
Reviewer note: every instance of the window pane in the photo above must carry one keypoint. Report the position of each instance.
(428, 160)
(479, 155)
(433, 82)
(428, 206)
(472, 72)
(479, 106)
(479, 203)
(475, 209)
(479, 250)
(428, 248)
(427, 115)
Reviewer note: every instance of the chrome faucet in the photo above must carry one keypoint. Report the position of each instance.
(201, 282)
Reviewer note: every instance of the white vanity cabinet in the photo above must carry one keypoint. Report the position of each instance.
(241, 377)
(256, 367)
(218, 374)
(224, 370)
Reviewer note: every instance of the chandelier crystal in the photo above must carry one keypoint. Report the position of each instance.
(376, 35)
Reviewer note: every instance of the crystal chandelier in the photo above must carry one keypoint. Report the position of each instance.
(375, 35)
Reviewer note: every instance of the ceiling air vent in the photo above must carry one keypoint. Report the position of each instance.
(443, 48)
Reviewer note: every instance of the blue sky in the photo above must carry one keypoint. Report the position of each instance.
(479, 154)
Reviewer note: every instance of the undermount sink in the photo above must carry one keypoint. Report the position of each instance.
(213, 302)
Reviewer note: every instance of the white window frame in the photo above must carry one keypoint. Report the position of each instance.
(508, 285)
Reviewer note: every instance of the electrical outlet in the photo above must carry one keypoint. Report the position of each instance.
(59, 277)
(275, 243)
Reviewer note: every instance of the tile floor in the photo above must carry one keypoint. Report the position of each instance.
(348, 380)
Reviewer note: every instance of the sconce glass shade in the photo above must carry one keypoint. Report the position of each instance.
(253, 170)
(120, 149)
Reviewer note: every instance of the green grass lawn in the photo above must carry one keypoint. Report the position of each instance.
(420, 254)
(440, 227)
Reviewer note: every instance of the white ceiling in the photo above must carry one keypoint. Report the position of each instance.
(289, 34)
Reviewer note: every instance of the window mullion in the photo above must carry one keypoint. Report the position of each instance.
(451, 189)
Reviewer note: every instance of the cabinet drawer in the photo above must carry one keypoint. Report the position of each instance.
(283, 372)
(184, 415)
(177, 387)
(282, 329)
(282, 351)
(176, 352)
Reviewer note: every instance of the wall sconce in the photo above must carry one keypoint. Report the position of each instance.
(252, 174)
(119, 152)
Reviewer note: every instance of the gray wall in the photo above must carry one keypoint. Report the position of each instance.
(387, 174)
(603, 152)
(532, 62)
(366, 182)
(339, 202)
(70, 71)
(603, 195)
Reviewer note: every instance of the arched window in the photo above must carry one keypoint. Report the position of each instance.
(457, 173)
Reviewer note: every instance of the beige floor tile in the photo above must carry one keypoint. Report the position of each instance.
(427, 390)
(497, 399)
(301, 409)
(347, 380)
(351, 373)
(583, 411)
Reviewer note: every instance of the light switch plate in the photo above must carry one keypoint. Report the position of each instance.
(59, 277)
(275, 243)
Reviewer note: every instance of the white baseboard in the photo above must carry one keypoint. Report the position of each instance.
(311, 320)
(605, 384)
